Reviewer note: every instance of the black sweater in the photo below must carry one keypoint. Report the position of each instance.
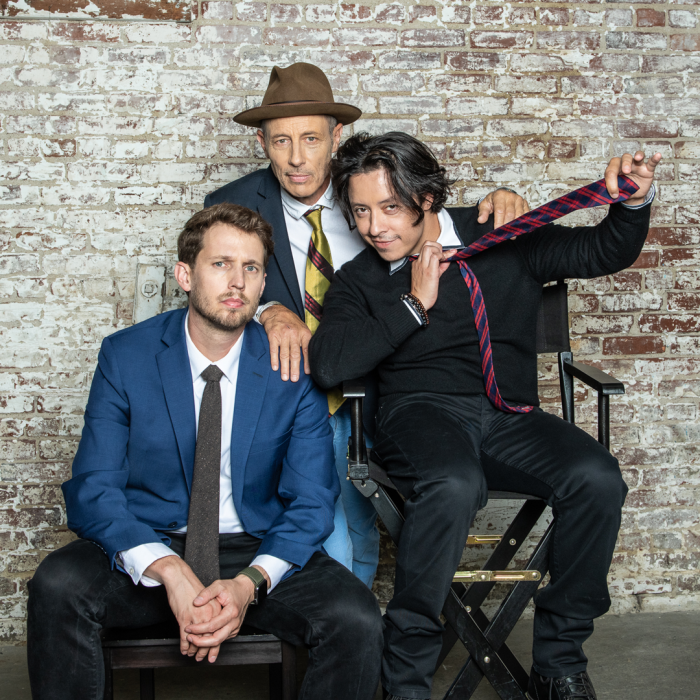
(366, 326)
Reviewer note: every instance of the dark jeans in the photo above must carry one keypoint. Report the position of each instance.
(323, 607)
(443, 453)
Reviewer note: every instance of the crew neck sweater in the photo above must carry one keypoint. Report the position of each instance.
(366, 326)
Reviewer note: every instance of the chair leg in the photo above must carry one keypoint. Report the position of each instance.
(289, 671)
(109, 688)
(276, 681)
(147, 682)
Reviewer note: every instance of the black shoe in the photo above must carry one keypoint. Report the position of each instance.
(578, 686)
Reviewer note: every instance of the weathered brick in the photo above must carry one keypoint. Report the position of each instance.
(427, 38)
(362, 37)
(500, 40)
(638, 41)
(633, 345)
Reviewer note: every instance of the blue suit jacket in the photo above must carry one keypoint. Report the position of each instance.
(132, 473)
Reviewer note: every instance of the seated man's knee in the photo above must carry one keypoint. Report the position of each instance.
(354, 616)
(460, 490)
(598, 480)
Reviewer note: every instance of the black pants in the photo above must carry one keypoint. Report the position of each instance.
(443, 453)
(323, 607)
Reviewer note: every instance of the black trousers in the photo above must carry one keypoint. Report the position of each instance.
(443, 453)
(323, 607)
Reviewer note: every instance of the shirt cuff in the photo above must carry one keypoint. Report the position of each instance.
(414, 312)
(649, 198)
(275, 567)
(263, 308)
(137, 559)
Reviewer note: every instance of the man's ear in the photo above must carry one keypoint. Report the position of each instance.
(427, 202)
(260, 136)
(337, 135)
(183, 276)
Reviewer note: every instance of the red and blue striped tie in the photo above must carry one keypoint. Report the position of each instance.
(593, 195)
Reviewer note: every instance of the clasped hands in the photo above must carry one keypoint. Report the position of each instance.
(206, 616)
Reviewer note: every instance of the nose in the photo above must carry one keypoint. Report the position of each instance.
(296, 154)
(236, 278)
(376, 224)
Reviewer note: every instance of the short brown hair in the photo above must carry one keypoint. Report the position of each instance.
(190, 240)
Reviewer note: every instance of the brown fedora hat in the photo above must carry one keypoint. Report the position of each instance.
(296, 91)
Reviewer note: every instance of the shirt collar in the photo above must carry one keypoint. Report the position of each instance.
(296, 209)
(198, 362)
(448, 238)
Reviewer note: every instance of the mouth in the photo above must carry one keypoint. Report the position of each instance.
(383, 243)
(298, 178)
(233, 303)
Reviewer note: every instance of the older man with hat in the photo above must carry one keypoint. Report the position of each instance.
(300, 126)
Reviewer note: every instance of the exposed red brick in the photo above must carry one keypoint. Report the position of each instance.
(647, 259)
(554, 16)
(355, 13)
(422, 13)
(658, 323)
(647, 128)
(500, 40)
(674, 236)
(425, 38)
(85, 31)
(483, 14)
(685, 42)
(647, 17)
(683, 301)
(633, 345)
(588, 41)
(558, 148)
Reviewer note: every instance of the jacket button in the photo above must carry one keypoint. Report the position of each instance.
(172, 525)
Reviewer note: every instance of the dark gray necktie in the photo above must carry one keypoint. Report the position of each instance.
(202, 544)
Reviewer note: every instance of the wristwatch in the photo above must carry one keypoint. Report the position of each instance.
(260, 583)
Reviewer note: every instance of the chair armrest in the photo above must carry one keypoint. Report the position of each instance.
(597, 379)
(358, 466)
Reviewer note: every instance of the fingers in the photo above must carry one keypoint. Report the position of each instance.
(654, 161)
(274, 352)
(305, 352)
(294, 361)
(209, 641)
(284, 359)
(209, 593)
(611, 173)
(213, 653)
(485, 208)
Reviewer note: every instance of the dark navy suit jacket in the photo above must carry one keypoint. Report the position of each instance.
(132, 473)
(260, 191)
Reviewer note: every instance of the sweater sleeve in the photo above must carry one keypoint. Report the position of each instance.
(352, 340)
(556, 252)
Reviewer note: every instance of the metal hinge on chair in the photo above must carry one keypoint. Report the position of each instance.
(483, 539)
(496, 576)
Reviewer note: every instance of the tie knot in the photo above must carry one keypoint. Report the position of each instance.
(212, 374)
(313, 216)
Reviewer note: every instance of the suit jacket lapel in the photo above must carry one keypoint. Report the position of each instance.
(176, 377)
(270, 208)
(253, 374)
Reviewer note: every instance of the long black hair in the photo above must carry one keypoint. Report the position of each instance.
(412, 168)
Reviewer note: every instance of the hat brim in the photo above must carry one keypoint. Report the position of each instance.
(345, 114)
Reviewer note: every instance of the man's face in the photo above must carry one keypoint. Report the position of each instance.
(382, 220)
(300, 151)
(227, 279)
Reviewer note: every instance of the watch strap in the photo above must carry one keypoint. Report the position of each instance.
(258, 580)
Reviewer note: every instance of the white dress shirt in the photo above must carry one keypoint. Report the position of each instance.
(136, 560)
(344, 243)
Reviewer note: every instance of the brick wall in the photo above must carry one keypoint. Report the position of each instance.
(112, 132)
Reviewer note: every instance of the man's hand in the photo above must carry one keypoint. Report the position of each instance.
(234, 596)
(636, 169)
(426, 272)
(182, 587)
(504, 205)
(289, 339)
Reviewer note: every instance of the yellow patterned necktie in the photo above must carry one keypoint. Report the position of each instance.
(319, 275)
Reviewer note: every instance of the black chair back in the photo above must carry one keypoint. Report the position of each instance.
(553, 319)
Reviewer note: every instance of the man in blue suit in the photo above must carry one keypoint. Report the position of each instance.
(300, 127)
(202, 491)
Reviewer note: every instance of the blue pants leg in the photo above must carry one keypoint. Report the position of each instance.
(357, 523)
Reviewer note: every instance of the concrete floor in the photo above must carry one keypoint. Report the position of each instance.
(634, 657)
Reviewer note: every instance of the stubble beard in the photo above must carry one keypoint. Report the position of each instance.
(223, 320)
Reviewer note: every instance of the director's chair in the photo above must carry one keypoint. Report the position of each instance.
(484, 638)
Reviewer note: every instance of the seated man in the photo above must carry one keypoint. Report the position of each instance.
(203, 484)
(415, 324)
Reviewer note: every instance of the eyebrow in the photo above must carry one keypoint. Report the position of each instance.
(389, 200)
(228, 258)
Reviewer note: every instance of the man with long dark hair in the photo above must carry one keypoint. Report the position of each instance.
(448, 429)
